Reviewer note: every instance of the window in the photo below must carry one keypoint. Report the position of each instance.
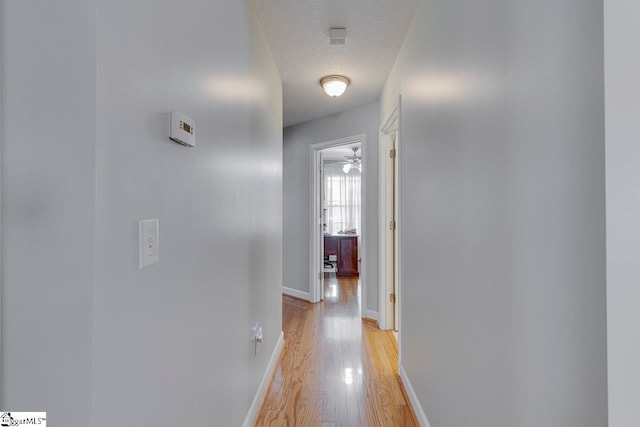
(342, 192)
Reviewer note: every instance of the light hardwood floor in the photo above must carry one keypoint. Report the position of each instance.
(335, 369)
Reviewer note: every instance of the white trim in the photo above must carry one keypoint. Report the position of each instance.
(370, 314)
(338, 142)
(296, 293)
(413, 398)
(314, 223)
(256, 405)
(315, 264)
(400, 222)
(362, 275)
(391, 124)
(382, 231)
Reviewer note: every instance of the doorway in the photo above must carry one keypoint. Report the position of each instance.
(337, 169)
(390, 223)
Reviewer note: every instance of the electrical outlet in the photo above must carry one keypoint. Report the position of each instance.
(257, 338)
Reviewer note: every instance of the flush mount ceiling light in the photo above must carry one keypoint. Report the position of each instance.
(334, 86)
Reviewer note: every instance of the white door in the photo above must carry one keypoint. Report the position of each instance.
(391, 233)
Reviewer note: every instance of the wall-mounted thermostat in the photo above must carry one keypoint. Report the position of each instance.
(183, 129)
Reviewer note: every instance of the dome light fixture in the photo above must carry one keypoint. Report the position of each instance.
(334, 85)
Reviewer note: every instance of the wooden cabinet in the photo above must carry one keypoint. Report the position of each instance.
(346, 250)
(347, 256)
(330, 246)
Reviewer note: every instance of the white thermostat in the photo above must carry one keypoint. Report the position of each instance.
(183, 129)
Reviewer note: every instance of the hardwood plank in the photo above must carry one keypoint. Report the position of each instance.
(336, 369)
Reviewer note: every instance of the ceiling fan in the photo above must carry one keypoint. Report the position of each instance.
(354, 161)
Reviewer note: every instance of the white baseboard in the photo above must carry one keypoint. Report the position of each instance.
(370, 314)
(254, 409)
(296, 293)
(415, 403)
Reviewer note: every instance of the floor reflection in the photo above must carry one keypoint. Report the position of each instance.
(335, 369)
(341, 309)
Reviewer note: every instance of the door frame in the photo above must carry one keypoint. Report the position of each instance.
(392, 126)
(316, 274)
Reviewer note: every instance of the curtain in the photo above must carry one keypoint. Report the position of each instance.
(342, 199)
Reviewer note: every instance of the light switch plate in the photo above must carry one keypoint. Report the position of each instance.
(149, 243)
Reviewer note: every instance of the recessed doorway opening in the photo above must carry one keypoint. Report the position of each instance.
(338, 173)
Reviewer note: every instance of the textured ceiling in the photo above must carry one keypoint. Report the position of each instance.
(298, 33)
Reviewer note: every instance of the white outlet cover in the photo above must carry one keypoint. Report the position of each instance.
(149, 243)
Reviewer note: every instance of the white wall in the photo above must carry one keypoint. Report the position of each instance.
(623, 210)
(87, 88)
(503, 227)
(185, 322)
(296, 198)
(48, 188)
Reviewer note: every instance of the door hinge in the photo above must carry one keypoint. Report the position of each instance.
(392, 225)
(392, 153)
(392, 298)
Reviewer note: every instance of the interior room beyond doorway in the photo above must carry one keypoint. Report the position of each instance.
(341, 200)
(337, 178)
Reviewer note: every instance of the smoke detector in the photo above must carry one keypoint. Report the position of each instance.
(337, 36)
